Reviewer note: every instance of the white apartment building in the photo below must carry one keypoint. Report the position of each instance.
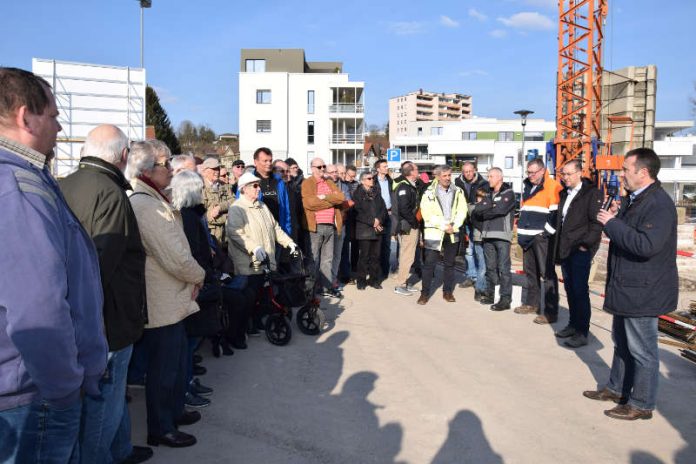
(498, 142)
(299, 109)
(426, 106)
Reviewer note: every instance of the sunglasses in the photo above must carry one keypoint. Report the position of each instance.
(255, 185)
(238, 166)
(368, 178)
(223, 175)
(322, 166)
(164, 164)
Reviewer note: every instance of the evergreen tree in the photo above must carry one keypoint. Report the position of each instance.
(156, 116)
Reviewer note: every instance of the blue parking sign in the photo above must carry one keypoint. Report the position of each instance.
(394, 154)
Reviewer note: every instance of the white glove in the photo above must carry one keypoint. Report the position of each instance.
(260, 254)
(293, 250)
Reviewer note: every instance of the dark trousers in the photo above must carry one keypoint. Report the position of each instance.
(497, 257)
(576, 273)
(165, 381)
(430, 259)
(368, 261)
(238, 304)
(540, 273)
(345, 266)
(385, 248)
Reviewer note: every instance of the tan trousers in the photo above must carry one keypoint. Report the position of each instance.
(407, 254)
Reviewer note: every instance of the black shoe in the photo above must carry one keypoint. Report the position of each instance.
(467, 283)
(477, 295)
(376, 286)
(486, 299)
(199, 389)
(362, 285)
(138, 455)
(189, 418)
(565, 332)
(197, 359)
(226, 348)
(175, 439)
(195, 401)
(199, 370)
(502, 305)
(253, 332)
(239, 345)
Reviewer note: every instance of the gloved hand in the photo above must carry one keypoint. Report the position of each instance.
(260, 254)
(294, 252)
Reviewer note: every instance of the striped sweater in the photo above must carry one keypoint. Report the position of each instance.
(538, 210)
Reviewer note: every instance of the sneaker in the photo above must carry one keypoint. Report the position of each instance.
(402, 291)
(331, 293)
(565, 332)
(467, 283)
(412, 288)
(194, 401)
(576, 341)
(199, 389)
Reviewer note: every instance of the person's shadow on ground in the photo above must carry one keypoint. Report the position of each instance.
(466, 442)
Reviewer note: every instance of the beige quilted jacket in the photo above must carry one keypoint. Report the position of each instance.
(170, 270)
(250, 225)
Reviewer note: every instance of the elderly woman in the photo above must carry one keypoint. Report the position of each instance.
(173, 279)
(370, 215)
(252, 233)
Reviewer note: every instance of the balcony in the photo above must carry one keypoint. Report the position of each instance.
(347, 108)
(347, 139)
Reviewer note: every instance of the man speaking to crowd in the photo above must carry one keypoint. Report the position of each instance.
(642, 283)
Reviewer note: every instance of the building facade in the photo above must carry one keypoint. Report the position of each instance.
(426, 106)
(299, 109)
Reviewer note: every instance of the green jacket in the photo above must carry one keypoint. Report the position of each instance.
(218, 195)
(434, 219)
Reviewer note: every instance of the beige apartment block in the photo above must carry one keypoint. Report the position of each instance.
(426, 106)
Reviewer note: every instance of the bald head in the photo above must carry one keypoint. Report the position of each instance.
(108, 143)
(318, 167)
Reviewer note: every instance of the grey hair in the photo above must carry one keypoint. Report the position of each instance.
(142, 158)
(187, 190)
(178, 162)
(109, 150)
(366, 173)
(161, 148)
(441, 169)
(496, 169)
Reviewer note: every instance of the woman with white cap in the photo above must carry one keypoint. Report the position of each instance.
(252, 233)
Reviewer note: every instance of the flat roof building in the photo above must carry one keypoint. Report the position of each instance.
(426, 106)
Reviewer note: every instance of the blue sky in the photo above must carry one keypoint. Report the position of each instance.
(503, 52)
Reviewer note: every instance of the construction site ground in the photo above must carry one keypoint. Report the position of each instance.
(392, 381)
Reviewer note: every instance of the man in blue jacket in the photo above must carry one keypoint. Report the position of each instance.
(642, 283)
(52, 343)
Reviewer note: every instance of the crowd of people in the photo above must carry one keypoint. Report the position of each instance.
(124, 268)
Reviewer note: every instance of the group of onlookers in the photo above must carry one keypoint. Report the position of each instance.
(118, 273)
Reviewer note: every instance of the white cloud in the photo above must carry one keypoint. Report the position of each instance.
(448, 22)
(528, 20)
(498, 33)
(473, 72)
(474, 13)
(164, 95)
(406, 27)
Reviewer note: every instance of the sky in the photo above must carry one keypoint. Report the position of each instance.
(502, 52)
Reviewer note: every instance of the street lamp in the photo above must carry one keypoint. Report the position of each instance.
(143, 4)
(523, 116)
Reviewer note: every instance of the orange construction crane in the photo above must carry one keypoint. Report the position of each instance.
(579, 81)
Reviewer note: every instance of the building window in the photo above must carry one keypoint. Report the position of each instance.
(263, 96)
(436, 131)
(310, 101)
(420, 131)
(255, 65)
(310, 132)
(534, 136)
(263, 125)
(509, 162)
(468, 135)
(506, 136)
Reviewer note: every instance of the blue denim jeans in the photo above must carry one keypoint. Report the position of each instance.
(635, 367)
(479, 260)
(40, 433)
(102, 416)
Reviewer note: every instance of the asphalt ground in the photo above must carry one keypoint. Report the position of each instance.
(392, 381)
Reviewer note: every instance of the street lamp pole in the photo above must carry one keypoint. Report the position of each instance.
(523, 117)
(143, 4)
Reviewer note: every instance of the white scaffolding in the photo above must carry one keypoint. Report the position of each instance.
(88, 95)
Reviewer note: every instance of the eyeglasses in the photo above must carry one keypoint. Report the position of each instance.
(531, 173)
(368, 178)
(566, 174)
(255, 185)
(164, 164)
(223, 175)
(321, 166)
(238, 166)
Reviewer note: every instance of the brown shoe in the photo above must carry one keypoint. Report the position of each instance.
(602, 395)
(544, 319)
(447, 296)
(423, 299)
(526, 309)
(626, 412)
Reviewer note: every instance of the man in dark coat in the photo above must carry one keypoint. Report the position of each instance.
(96, 193)
(370, 216)
(578, 234)
(470, 181)
(642, 283)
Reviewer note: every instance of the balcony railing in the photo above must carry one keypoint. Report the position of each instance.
(347, 108)
(347, 138)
